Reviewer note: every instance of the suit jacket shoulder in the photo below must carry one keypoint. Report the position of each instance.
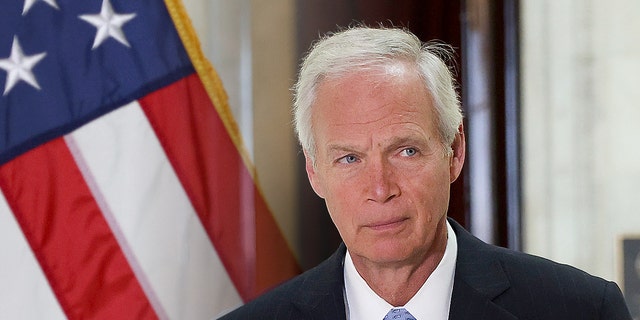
(515, 285)
(315, 294)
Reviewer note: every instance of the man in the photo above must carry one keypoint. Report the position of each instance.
(379, 121)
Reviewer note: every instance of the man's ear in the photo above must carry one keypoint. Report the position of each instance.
(457, 158)
(312, 175)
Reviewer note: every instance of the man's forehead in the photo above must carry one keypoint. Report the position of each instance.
(370, 101)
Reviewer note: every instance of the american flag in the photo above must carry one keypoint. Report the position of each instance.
(125, 190)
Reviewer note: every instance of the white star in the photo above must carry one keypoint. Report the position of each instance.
(108, 23)
(29, 3)
(18, 67)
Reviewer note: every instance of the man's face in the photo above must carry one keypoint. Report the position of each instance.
(381, 166)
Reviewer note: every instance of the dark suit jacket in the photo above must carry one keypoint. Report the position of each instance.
(490, 283)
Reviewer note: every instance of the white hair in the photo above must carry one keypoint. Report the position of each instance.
(362, 48)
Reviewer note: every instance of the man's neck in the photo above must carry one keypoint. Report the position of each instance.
(397, 283)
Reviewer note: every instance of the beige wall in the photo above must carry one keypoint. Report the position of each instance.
(581, 109)
(251, 44)
(274, 65)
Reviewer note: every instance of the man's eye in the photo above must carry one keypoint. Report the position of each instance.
(348, 159)
(409, 152)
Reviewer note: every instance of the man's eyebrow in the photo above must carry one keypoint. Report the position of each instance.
(407, 141)
(332, 148)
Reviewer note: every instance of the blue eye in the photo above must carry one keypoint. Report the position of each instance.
(410, 152)
(348, 159)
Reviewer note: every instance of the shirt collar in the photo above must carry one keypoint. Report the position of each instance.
(430, 302)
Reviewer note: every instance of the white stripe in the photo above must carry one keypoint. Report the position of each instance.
(24, 290)
(136, 181)
(115, 227)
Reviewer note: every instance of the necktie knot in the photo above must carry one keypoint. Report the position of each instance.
(399, 314)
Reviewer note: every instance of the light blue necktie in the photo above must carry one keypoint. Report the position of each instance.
(399, 314)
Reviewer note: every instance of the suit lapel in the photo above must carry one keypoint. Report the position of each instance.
(478, 280)
(469, 304)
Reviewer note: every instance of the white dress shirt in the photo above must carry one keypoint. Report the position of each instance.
(431, 302)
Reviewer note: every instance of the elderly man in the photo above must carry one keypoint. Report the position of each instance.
(379, 120)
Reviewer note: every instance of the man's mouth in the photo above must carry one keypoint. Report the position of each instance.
(387, 224)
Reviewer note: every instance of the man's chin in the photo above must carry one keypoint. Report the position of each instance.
(387, 253)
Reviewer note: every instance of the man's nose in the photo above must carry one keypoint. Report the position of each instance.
(382, 181)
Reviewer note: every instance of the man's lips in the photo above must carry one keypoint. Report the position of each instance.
(386, 224)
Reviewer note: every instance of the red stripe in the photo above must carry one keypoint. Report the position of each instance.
(70, 238)
(274, 260)
(219, 185)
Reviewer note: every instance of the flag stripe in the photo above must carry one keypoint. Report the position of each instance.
(275, 261)
(76, 141)
(159, 226)
(69, 236)
(211, 171)
(30, 296)
(229, 204)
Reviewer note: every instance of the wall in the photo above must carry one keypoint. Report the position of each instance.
(251, 45)
(581, 106)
